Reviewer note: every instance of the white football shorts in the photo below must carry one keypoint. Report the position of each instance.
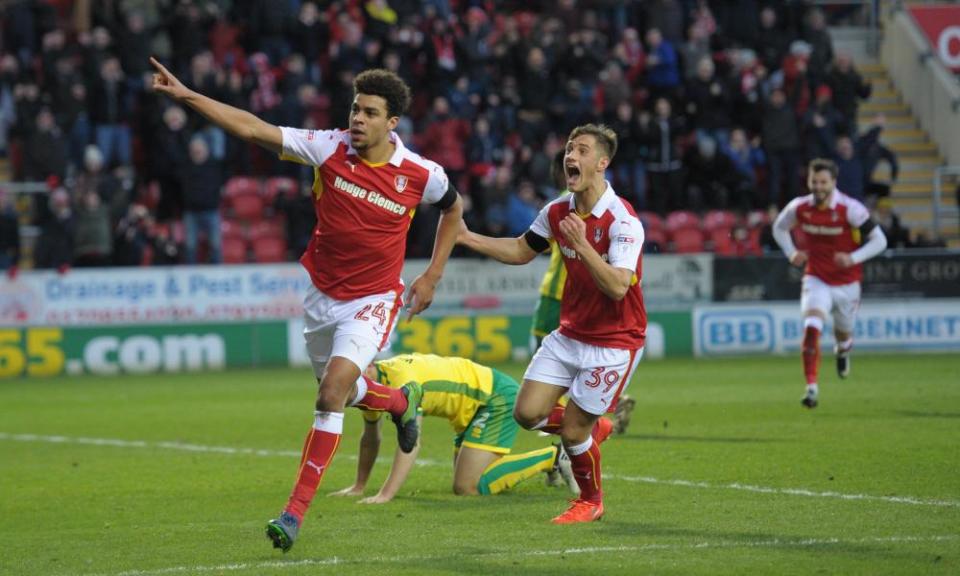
(595, 376)
(353, 329)
(842, 302)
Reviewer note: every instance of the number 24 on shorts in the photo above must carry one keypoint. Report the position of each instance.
(378, 312)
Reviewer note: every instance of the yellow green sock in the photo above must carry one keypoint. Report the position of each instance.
(510, 470)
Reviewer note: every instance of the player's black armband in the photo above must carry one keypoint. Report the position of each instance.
(536, 242)
(449, 198)
(867, 227)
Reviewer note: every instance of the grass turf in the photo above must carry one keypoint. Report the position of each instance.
(721, 472)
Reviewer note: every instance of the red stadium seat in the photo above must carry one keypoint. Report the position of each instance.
(241, 186)
(277, 185)
(654, 240)
(267, 228)
(723, 242)
(682, 220)
(270, 249)
(231, 229)
(720, 219)
(247, 207)
(651, 221)
(687, 240)
(234, 249)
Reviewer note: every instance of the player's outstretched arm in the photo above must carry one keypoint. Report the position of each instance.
(369, 448)
(506, 250)
(237, 122)
(422, 288)
(402, 464)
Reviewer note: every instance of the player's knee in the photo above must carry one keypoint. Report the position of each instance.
(526, 417)
(331, 397)
(463, 488)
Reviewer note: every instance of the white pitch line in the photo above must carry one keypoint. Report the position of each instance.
(639, 549)
(910, 500)
(789, 491)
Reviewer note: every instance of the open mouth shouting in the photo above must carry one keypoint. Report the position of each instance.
(573, 175)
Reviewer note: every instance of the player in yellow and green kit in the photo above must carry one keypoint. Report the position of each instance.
(478, 401)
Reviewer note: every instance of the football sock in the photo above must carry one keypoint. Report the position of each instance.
(554, 420)
(552, 424)
(811, 347)
(318, 450)
(602, 429)
(380, 397)
(845, 346)
(510, 470)
(585, 461)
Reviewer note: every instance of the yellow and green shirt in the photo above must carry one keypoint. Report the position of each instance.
(556, 275)
(453, 388)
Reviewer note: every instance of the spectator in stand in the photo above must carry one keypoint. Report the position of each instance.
(821, 125)
(110, 113)
(712, 179)
(92, 238)
(663, 68)
(875, 152)
(748, 158)
(105, 184)
(9, 233)
(522, 208)
(848, 89)
(851, 159)
(772, 41)
(443, 138)
(818, 37)
(54, 247)
(537, 86)
(201, 180)
(310, 37)
(780, 140)
(660, 135)
(666, 16)
(46, 150)
(695, 49)
(708, 103)
(169, 162)
(898, 235)
(627, 174)
(132, 239)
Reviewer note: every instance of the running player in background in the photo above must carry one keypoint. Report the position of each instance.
(478, 401)
(593, 353)
(834, 225)
(367, 186)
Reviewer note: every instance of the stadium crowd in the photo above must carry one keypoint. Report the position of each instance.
(717, 105)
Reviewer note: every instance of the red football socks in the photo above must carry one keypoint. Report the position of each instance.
(318, 450)
(385, 398)
(811, 354)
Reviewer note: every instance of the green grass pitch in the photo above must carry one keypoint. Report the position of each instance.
(721, 472)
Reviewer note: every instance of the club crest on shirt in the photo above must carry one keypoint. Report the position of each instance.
(400, 183)
(597, 234)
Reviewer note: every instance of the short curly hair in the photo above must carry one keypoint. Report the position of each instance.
(387, 85)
